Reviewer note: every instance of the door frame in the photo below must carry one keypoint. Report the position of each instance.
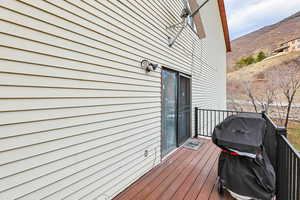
(178, 74)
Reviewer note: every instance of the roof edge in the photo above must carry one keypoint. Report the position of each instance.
(224, 24)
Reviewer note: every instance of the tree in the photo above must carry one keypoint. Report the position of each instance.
(262, 93)
(266, 92)
(249, 93)
(289, 83)
(261, 56)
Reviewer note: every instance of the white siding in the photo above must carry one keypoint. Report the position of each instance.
(76, 110)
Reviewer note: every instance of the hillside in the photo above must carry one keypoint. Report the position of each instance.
(252, 73)
(265, 39)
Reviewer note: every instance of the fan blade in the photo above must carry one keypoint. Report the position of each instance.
(197, 10)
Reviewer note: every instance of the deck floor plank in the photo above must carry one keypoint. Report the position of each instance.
(211, 180)
(176, 178)
(201, 179)
(199, 162)
(190, 180)
(141, 183)
(142, 195)
(185, 175)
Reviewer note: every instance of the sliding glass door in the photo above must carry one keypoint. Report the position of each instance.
(176, 110)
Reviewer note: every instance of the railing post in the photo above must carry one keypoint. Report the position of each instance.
(281, 171)
(196, 122)
(281, 131)
(263, 113)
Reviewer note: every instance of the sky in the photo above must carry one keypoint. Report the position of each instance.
(245, 16)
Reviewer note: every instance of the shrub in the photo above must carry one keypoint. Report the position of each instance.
(261, 56)
(245, 62)
(250, 60)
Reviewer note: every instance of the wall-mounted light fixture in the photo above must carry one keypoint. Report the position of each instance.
(148, 66)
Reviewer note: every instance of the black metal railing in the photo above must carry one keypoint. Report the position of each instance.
(289, 171)
(286, 161)
(207, 119)
(284, 158)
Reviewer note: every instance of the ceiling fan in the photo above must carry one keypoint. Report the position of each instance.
(185, 15)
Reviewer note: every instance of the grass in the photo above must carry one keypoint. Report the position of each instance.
(294, 135)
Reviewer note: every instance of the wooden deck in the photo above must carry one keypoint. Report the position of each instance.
(186, 174)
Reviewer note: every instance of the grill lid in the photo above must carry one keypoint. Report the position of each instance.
(241, 132)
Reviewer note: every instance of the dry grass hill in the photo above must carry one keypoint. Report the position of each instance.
(265, 39)
(252, 73)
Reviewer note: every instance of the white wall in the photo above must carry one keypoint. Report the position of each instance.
(76, 110)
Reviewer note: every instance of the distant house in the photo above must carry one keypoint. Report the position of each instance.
(287, 47)
(80, 117)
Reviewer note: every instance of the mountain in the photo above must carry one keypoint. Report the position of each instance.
(265, 39)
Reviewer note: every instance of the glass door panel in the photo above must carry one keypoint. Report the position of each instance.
(169, 111)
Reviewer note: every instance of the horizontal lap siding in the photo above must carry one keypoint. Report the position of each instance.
(214, 56)
(209, 78)
(77, 111)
